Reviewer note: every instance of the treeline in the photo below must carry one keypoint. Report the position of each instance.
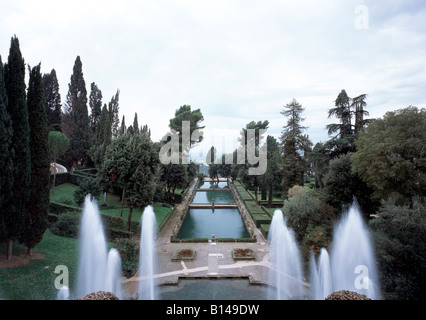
(379, 163)
(35, 130)
(24, 153)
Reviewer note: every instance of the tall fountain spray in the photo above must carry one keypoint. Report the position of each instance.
(285, 274)
(113, 275)
(352, 258)
(94, 263)
(147, 257)
(313, 278)
(321, 285)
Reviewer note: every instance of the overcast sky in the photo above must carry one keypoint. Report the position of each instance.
(237, 61)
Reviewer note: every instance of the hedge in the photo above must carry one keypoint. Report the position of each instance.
(67, 225)
(175, 240)
(264, 228)
(112, 221)
(113, 234)
(253, 208)
(58, 208)
(260, 219)
(236, 239)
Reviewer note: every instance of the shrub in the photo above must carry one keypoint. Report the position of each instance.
(261, 218)
(302, 209)
(67, 225)
(87, 186)
(399, 235)
(59, 208)
(129, 253)
(315, 239)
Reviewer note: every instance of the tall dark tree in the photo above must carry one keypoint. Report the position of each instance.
(113, 109)
(342, 112)
(135, 124)
(213, 167)
(359, 104)
(346, 131)
(38, 205)
(52, 100)
(268, 181)
(103, 137)
(251, 181)
(76, 117)
(295, 146)
(6, 155)
(95, 104)
(14, 217)
(123, 128)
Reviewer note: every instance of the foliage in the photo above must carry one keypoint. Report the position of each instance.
(271, 179)
(52, 100)
(14, 215)
(95, 104)
(251, 181)
(316, 237)
(195, 117)
(87, 186)
(67, 225)
(390, 155)
(400, 238)
(76, 117)
(341, 186)
(302, 209)
(129, 253)
(6, 153)
(113, 108)
(58, 144)
(130, 165)
(174, 176)
(38, 205)
(343, 113)
(294, 146)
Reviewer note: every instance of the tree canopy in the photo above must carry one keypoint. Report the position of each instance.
(390, 155)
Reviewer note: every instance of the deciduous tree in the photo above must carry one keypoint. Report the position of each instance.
(390, 155)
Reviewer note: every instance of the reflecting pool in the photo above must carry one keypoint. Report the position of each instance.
(223, 223)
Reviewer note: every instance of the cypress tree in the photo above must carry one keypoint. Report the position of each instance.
(6, 154)
(113, 107)
(95, 103)
(36, 218)
(52, 100)
(14, 217)
(135, 124)
(76, 117)
(123, 126)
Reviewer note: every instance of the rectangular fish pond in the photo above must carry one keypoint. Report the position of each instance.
(202, 223)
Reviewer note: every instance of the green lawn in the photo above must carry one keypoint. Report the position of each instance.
(35, 280)
(64, 193)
